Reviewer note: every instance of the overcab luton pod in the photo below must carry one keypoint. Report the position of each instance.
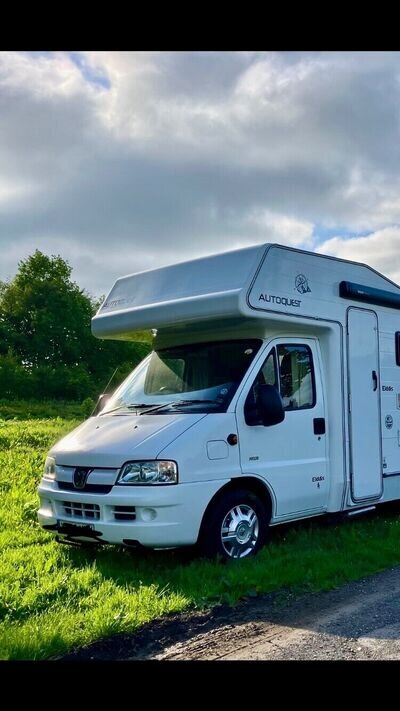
(272, 394)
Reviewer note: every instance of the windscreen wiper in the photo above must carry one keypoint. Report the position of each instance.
(126, 407)
(195, 402)
(156, 407)
(179, 403)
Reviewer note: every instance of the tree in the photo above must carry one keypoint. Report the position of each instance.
(47, 315)
(45, 321)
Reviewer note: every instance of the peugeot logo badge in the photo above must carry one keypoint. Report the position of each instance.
(80, 477)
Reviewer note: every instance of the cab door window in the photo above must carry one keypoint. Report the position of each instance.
(268, 375)
(289, 368)
(296, 377)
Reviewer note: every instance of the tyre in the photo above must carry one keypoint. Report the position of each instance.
(236, 527)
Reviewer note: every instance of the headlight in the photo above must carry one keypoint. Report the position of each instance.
(49, 469)
(148, 473)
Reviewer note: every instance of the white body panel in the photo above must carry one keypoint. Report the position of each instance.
(109, 441)
(280, 296)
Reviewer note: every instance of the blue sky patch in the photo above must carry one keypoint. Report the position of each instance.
(89, 73)
(322, 233)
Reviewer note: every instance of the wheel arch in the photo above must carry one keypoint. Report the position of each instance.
(251, 483)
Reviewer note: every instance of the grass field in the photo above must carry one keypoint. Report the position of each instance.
(25, 409)
(54, 598)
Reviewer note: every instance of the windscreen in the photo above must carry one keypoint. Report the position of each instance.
(200, 377)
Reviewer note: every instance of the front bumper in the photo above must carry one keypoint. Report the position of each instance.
(154, 516)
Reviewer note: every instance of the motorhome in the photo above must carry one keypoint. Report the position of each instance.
(272, 394)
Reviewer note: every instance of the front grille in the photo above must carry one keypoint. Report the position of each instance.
(82, 511)
(89, 488)
(124, 513)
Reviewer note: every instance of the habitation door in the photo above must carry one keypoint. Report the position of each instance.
(291, 456)
(364, 404)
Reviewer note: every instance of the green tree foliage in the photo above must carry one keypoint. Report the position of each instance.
(46, 346)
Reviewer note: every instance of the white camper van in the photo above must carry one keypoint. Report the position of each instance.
(272, 394)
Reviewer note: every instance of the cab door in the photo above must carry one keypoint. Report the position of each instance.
(291, 456)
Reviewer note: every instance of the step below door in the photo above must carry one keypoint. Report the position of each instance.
(365, 421)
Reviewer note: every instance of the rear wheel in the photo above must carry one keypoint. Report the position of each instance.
(236, 527)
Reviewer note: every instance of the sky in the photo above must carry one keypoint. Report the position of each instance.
(125, 161)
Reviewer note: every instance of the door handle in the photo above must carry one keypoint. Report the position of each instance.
(319, 425)
(375, 379)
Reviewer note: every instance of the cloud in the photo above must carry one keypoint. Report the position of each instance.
(379, 250)
(121, 161)
(275, 227)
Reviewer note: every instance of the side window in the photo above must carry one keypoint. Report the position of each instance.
(296, 377)
(266, 376)
(268, 371)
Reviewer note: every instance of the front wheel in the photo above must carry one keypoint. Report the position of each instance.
(236, 527)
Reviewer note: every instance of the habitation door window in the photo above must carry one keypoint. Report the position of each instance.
(397, 347)
(296, 377)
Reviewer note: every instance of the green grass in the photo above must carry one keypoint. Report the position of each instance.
(54, 598)
(26, 409)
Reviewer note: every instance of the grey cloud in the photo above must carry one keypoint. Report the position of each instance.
(170, 156)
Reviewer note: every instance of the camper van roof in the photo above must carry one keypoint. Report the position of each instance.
(240, 284)
(178, 293)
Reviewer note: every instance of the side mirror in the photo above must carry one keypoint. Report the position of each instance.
(101, 402)
(270, 406)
